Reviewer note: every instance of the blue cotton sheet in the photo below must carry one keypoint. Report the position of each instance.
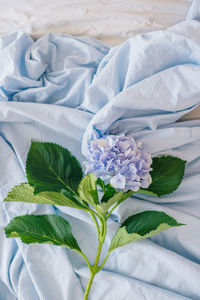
(67, 90)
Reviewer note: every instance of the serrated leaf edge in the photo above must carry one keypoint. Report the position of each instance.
(47, 143)
(81, 186)
(160, 228)
(14, 234)
(170, 156)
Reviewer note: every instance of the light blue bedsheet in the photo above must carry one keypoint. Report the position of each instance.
(66, 90)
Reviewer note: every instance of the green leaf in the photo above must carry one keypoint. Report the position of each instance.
(141, 226)
(50, 167)
(118, 197)
(143, 191)
(25, 193)
(101, 183)
(109, 192)
(167, 174)
(42, 229)
(88, 189)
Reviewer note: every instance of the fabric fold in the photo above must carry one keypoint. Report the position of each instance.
(69, 90)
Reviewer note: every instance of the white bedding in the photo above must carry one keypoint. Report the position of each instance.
(38, 77)
(111, 21)
(50, 94)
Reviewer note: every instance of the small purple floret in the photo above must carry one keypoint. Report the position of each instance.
(120, 161)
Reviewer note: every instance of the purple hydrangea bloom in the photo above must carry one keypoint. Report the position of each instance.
(120, 161)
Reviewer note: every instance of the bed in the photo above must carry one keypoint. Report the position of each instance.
(71, 71)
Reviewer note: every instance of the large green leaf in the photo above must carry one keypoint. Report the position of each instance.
(42, 229)
(25, 193)
(50, 167)
(167, 174)
(88, 189)
(141, 226)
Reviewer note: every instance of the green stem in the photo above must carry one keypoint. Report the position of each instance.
(104, 228)
(98, 254)
(89, 286)
(105, 260)
(110, 212)
(95, 269)
(94, 213)
(95, 221)
(86, 259)
(101, 235)
(130, 193)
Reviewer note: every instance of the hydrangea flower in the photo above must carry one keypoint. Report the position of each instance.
(120, 161)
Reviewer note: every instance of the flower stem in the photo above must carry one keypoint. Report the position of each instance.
(105, 260)
(95, 221)
(128, 194)
(110, 212)
(95, 269)
(89, 286)
(86, 259)
(98, 254)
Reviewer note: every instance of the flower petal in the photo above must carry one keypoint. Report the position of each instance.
(118, 181)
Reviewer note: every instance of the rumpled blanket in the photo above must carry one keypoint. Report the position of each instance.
(68, 90)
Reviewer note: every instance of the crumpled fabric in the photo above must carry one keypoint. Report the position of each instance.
(68, 90)
(110, 21)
